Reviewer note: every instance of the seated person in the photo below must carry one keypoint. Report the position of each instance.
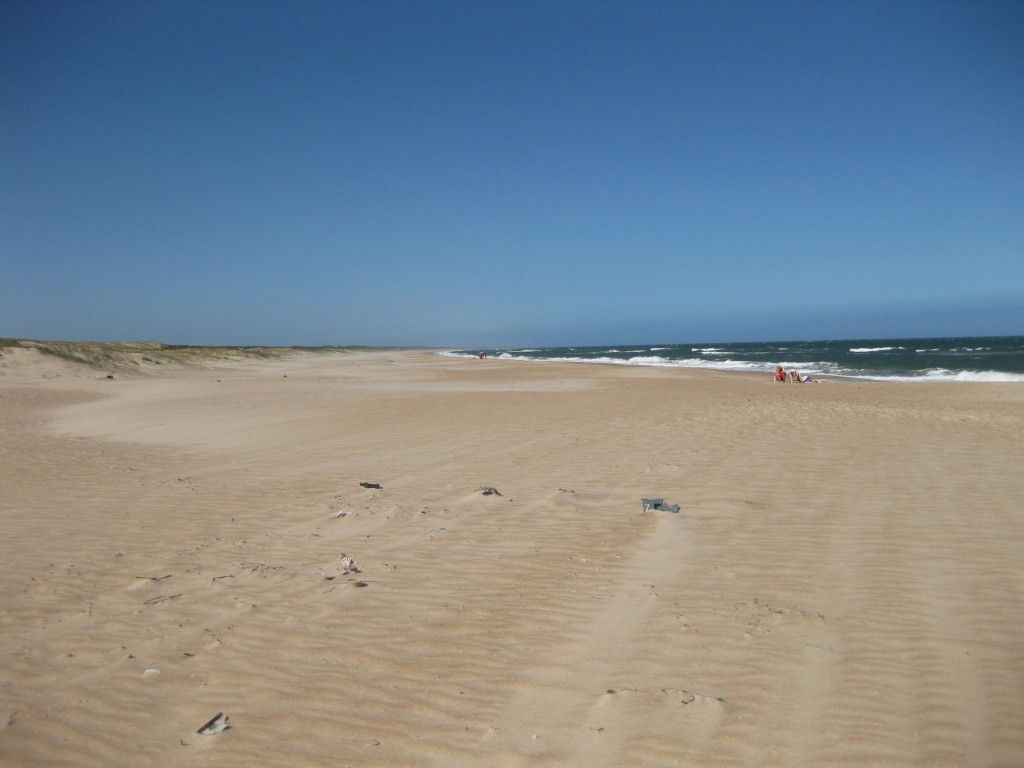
(780, 373)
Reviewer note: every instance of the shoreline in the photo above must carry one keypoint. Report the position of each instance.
(838, 587)
(750, 375)
(969, 359)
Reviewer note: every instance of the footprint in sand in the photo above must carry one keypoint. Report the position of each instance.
(665, 707)
(343, 566)
(141, 582)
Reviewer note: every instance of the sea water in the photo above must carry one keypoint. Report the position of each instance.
(993, 358)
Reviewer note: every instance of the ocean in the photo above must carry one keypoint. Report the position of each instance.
(990, 358)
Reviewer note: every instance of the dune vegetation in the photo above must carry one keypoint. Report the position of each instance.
(127, 355)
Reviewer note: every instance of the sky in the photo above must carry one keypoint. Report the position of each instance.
(474, 173)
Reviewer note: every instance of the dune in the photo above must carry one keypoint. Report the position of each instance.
(191, 539)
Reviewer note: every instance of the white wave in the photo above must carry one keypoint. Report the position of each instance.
(604, 360)
(943, 374)
(874, 349)
(644, 360)
(649, 360)
(698, 362)
(734, 365)
(809, 367)
(820, 368)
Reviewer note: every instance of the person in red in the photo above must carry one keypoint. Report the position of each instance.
(780, 373)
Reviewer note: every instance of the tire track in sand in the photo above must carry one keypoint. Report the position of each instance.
(593, 698)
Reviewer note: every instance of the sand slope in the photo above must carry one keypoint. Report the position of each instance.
(843, 585)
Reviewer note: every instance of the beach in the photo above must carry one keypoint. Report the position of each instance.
(841, 586)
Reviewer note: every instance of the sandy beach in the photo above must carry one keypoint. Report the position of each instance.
(842, 586)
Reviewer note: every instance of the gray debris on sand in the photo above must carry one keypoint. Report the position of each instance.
(659, 504)
(344, 566)
(488, 490)
(216, 724)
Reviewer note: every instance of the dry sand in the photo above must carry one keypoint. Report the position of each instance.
(842, 586)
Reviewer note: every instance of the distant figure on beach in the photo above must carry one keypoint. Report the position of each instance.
(795, 376)
(780, 373)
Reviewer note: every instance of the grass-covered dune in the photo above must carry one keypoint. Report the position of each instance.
(125, 356)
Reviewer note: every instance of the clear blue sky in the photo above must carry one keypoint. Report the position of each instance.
(510, 173)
